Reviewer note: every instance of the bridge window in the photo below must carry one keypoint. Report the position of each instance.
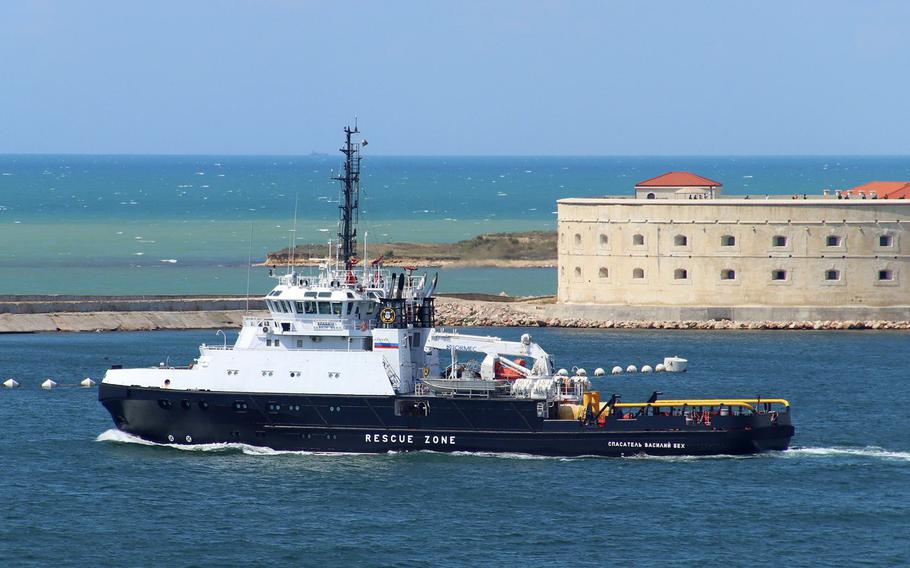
(778, 275)
(832, 275)
(680, 240)
(298, 306)
(886, 275)
(832, 241)
(325, 308)
(638, 273)
(350, 307)
(336, 308)
(638, 240)
(680, 274)
(885, 241)
(309, 307)
(779, 241)
(728, 274)
(603, 272)
(728, 241)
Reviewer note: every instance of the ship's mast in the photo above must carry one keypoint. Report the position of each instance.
(350, 199)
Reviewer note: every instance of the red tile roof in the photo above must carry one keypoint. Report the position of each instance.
(679, 179)
(883, 189)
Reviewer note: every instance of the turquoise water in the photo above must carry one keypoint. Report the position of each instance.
(83, 224)
(838, 497)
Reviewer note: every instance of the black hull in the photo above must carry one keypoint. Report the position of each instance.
(372, 425)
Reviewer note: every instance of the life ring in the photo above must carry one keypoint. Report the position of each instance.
(387, 315)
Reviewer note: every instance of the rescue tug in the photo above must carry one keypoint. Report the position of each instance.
(349, 360)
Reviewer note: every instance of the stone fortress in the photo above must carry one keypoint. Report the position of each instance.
(678, 250)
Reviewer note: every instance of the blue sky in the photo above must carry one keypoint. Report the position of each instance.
(456, 77)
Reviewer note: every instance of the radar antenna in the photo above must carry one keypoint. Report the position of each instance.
(350, 199)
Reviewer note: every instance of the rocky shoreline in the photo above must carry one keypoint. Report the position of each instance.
(47, 314)
(463, 313)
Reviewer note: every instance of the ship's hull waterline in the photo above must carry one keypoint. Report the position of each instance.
(370, 424)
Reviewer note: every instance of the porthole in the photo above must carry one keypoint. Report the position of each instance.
(185, 404)
(164, 403)
(203, 405)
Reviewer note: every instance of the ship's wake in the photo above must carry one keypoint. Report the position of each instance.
(867, 452)
(873, 452)
(116, 436)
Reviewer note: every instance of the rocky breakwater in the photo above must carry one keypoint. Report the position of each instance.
(467, 313)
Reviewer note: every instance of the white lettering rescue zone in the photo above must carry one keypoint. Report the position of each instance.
(428, 439)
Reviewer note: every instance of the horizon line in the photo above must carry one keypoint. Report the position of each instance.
(315, 154)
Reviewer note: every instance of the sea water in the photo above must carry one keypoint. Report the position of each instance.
(172, 224)
(76, 492)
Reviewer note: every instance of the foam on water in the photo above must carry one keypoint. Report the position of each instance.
(866, 452)
(872, 452)
(117, 436)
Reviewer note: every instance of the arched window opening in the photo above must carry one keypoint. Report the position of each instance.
(680, 240)
(638, 240)
(638, 273)
(680, 274)
(603, 272)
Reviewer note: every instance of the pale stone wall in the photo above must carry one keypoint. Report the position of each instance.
(734, 252)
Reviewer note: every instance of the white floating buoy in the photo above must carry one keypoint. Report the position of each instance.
(631, 369)
(675, 364)
(11, 383)
(581, 373)
(48, 384)
(660, 368)
(647, 369)
(87, 382)
(599, 372)
(617, 370)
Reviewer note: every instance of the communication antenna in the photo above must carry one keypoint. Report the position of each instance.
(249, 268)
(294, 231)
(350, 196)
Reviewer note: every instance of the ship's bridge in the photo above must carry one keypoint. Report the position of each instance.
(317, 309)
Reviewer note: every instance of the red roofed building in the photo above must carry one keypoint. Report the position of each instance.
(880, 190)
(678, 185)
